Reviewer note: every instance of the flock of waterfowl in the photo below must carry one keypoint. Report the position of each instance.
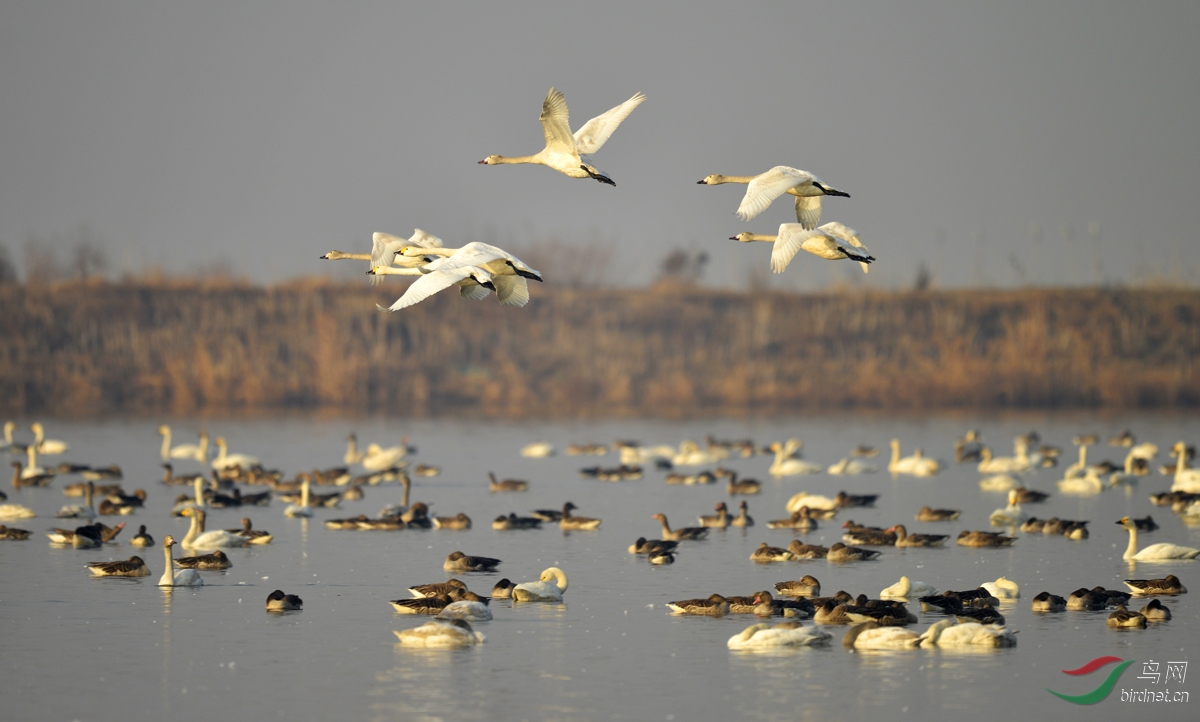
(478, 269)
(967, 616)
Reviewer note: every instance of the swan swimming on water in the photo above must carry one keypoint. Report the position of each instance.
(571, 154)
(821, 242)
(181, 578)
(764, 188)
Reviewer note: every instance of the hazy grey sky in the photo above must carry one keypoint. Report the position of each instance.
(1061, 134)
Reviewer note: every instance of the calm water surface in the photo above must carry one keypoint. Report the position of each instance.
(78, 647)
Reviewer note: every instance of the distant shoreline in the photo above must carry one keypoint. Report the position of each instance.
(317, 347)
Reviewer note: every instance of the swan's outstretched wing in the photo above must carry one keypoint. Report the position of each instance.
(383, 252)
(424, 239)
(511, 290)
(808, 211)
(556, 124)
(848, 234)
(592, 135)
(788, 243)
(766, 187)
(431, 283)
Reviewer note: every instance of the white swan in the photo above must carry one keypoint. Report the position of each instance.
(999, 482)
(1085, 484)
(538, 450)
(377, 458)
(474, 282)
(466, 609)
(764, 188)
(80, 511)
(15, 511)
(46, 446)
(785, 634)
(915, 465)
(690, 454)
(1006, 464)
(226, 460)
(812, 501)
(440, 634)
(870, 635)
(571, 154)
(951, 633)
(508, 272)
(785, 465)
(301, 510)
(199, 451)
(383, 251)
(198, 538)
(8, 444)
(1185, 479)
(1011, 515)
(852, 466)
(549, 587)
(181, 578)
(793, 238)
(908, 588)
(1161, 552)
(1003, 589)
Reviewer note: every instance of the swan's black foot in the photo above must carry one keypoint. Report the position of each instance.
(864, 259)
(597, 176)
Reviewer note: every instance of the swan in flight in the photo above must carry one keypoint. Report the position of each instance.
(764, 188)
(383, 251)
(473, 282)
(826, 242)
(508, 272)
(571, 154)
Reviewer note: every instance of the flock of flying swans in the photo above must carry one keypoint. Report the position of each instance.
(478, 269)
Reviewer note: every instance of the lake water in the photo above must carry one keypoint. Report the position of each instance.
(78, 647)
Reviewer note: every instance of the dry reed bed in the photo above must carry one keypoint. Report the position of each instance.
(187, 348)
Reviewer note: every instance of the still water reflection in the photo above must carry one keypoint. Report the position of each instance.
(77, 647)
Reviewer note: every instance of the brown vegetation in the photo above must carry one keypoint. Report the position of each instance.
(72, 348)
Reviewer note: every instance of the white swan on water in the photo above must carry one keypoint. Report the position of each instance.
(785, 634)
(44, 446)
(549, 587)
(1161, 552)
(181, 578)
(824, 242)
(198, 538)
(571, 154)
(199, 451)
(225, 460)
(764, 188)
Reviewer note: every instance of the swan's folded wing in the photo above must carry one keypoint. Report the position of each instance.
(511, 290)
(808, 211)
(788, 243)
(474, 291)
(766, 187)
(593, 134)
(556, 124)
(429, 284)
(847, 234)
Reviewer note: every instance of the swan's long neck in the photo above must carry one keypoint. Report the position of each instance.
(222, 447)
(195, 529)
(1179, 464)
(394, 271)
(202, 453)
(895, 455)
(748, 237)
(343, 256)
(166, 445)
(168, 577)
(304, 494)
(8, 429)
(560, 580)
(516, 160)
(38, 435)
(719, 179)
(1131, 550)
(198, 485)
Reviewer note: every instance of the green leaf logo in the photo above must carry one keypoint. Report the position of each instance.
(1105, 687)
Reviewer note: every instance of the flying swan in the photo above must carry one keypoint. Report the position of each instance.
(571, 154)
(764, 188)
(826, 242)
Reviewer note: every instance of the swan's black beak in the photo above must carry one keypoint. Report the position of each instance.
(733, 238)
(701, 183)
(371, 272)
(482, 162)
